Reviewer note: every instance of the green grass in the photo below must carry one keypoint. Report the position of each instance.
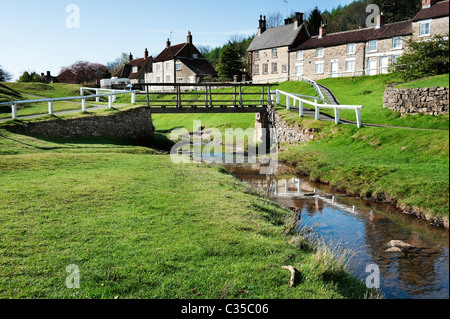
(433, 81)
(403, 166)
(53, 90)
(139, 226)
(369, 92)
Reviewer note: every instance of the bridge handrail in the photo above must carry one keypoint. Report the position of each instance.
(318, 106)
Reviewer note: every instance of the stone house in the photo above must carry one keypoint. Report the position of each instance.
(180, 63)
(367, 51)
(135, 70)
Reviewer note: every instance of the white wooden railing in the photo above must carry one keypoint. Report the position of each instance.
(82, 98)
(301, 101)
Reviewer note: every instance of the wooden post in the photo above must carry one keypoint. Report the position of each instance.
(50, 107)
(83, 105)
(206, 96)
(178, 96)
(336, 116)
(210, 97)
(148, 95)
(234, 97)
(14, 111)
(240, 96)
(262, 95)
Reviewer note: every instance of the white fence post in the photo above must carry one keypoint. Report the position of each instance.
(133, 98)
(97, 99)
(300, 109)
(358, 117)
(288, 102)
(317, 112)
(278, 96)
(50, 107)
(110, 101)
(83, 105)
(14, 111)
(336, 116)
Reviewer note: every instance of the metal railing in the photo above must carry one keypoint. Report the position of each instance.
(83, 99)
(318, 106)
(207, 95)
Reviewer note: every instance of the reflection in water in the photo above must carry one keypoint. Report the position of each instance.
(366, 228)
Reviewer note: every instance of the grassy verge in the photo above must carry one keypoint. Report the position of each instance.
(139, 226)
(369, 92)
(433, 81)
(400, 166)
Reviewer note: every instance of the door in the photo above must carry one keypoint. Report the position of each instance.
(372, 68)
(384, 64)
(335, 69)
(192, 80)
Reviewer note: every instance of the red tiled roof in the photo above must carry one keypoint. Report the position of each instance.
(438, 10)
(403, 28)
(144, 66)
(169, 53)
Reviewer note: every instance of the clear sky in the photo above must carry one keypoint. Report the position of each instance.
(34, 35)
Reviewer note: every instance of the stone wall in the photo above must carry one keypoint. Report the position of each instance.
(430, 101)
(135, 123)
(291, 134)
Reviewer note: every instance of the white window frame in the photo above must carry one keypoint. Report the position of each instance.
(275, 53)
(168, 78)
(395, 57)
(135, 69)
(179, 80)
(158, 79)
(284, 68)
(297, 66)
(400, 46)
(423, 23)
(351, 48)
(370, 44)
(195, 56)
(178, 66)
(168, 65)
(158, 67)
(320, 52)
(256, 55)
(274, 68)
(347, 61)
(322, 64)
(265, 68)
(256, 70)
(299, 55)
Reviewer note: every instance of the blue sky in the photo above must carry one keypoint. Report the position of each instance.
(34, 35)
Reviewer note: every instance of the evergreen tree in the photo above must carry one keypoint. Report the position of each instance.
(230, 62)
(314, 21)
(4, 76)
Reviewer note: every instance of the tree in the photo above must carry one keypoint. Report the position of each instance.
(314, 21)
(115, 65)
(275, 20)
(424, 58)
(30, 77)
(4, 75)
(83, 72)
(230, 62)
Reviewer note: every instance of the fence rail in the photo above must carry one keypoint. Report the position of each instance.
(83, 98)
(318, 106)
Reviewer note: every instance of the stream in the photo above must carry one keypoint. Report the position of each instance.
(365, 228)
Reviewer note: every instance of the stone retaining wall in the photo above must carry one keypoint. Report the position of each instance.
(134, 123)
(430, 101)
(291, 134)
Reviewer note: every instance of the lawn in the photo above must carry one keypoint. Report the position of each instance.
(433, 81)
(369, 92)
(139, 226)
(403, 166)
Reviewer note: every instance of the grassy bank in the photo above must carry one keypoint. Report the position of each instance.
(139, 226)
(408, 168)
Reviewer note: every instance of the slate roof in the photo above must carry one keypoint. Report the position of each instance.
(276, 37)
(201, 67)
(438, 10)
(169, 53)
(403, 28)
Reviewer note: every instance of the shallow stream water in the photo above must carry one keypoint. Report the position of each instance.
(365, 228)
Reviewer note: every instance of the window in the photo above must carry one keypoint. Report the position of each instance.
(275, 67)
(319, 68)
(397, 43)
(158, 79)
(178, 66)
(425, 28)
(256, 69)
(373, 46)
(274, 53)
(299, 69)
(351, 48)
(265, 68)
(256, 55)
(135, 69)
(168, 65)
(195, 56)
(350, 66)
(158, 67)
(299, 55)
(395, 57)
(284, 69)
(180, 80)
(320, 52)
(168, 78)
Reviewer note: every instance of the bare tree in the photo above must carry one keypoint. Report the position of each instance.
(275, 20)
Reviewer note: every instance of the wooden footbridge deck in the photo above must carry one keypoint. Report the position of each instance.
(169, 98)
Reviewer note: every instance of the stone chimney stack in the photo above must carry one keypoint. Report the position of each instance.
(262, 25)
(428, 3)
(130, 57)
(323, 30)
(168, 43)
(288, 21)
(189, 38)
(298, 19)
(381, 20)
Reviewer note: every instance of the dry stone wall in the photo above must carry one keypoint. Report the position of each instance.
(430, 101)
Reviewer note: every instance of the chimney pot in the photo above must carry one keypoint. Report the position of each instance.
(130, 57)
(146, 53)
(189, 37)
(381, 20)
(322, 30)
(298, 19)
(428, 3)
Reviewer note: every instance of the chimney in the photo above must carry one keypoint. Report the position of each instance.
(130, 57)
(168, 43)
(288, 21)
(145, 53)
(189, 38)
(323, 30)
(298, 19)
(381, 20)
(262, 25)
(428, 3)
(48, 74)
